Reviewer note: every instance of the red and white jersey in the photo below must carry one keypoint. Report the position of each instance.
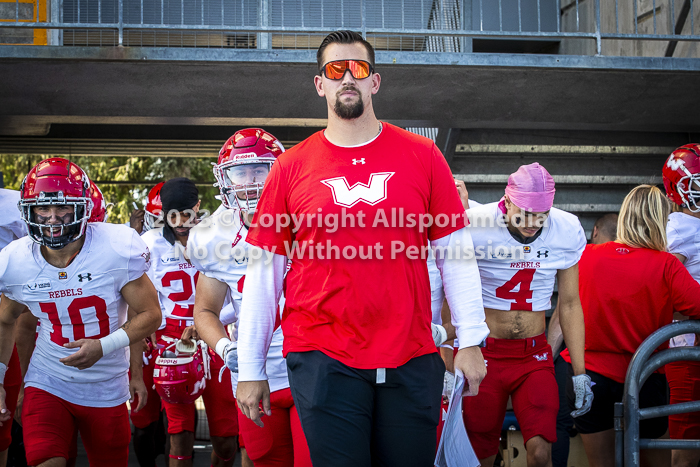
(515, 276)
(80, 301)
(12, 226)
(173, 276)
(683, 233)
(218, 249)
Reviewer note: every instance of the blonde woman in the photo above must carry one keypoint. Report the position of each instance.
(629, 288)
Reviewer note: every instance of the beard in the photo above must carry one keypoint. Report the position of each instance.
(349, 111)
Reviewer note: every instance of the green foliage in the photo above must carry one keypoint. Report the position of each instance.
(138, 173)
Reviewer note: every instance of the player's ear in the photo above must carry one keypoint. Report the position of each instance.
(376, 81)
(318, 83)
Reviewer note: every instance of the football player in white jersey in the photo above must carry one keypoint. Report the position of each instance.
(12, 228)
(681, 175)
(175, 279)
(78, 279)
(218, 248)
(522, 244)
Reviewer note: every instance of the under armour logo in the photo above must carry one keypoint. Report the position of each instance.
(348, 196)
(358, 161)
(541, 358)
(674, 163)
(542, 253)
(87, 277)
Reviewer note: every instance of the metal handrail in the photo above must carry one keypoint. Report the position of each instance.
(628, 414)
(461, 29)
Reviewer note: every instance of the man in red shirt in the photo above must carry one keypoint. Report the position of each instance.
(354, 207)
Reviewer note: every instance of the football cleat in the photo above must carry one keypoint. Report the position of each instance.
(244, 162)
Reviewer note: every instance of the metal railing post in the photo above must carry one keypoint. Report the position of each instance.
(363, 5)
(639, 368)
(598, 40)
(120, 4)
(619, 413)
(264, 39)
(466, 14)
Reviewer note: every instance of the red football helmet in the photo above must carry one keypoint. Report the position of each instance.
(681, 175)
(154, 208)
(99, 207)
(181, 371)
(244, 162)
(56, 182)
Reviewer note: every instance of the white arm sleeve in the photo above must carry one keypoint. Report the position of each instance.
(462, 285)
(261, 294)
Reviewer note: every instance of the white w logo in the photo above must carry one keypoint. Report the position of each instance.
(348, 196)
(674, 163)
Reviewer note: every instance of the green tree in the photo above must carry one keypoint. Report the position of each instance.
(124, 180)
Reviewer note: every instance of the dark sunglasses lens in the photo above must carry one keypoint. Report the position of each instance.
(359, 70)
(335, 70)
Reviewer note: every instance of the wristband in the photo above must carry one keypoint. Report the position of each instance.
(117, 340)
(3, 370)
(439, 334)
(221, 346)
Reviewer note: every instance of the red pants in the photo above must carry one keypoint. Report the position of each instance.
(151, 412)
(684, 383)
(522, 369)
(218, 398)
(13, 382)
(50, 423)
(281, 442)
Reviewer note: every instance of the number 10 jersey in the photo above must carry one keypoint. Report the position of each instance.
(82, 300)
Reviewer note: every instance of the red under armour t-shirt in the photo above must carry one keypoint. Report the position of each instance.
(628, 293)
(371, 310)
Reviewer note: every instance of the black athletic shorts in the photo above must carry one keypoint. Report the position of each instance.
(607, 392)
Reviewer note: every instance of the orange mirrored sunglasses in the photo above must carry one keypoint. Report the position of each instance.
(336, 69)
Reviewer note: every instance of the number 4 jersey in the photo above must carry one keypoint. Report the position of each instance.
(515, 276)
(80, 301)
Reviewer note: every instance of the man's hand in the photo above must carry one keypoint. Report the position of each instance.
(5, 414)
(137, 388)
(136, 220)
(462, 192)
(90, 352)
(189, 334)
(248, 397)
(584, 394)
(471, 363)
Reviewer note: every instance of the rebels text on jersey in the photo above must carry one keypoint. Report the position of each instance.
(515, 276)
(173, 276)
(218, 249)
(80, 301)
